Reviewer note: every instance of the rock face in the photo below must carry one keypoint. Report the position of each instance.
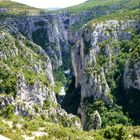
(132, 76)
(47, 31)
(96, 120)
(36, 92)
(92, 84)
(26, 75)
(33, 94)
(90, 73)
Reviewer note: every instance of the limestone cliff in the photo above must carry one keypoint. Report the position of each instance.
(93, 60)
(131, 76)
(47, 31)
(26, 80)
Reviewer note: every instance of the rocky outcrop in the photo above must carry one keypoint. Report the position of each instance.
(47, 31)
(33, 94)
(96, 120)
(89, 72)
(27, 93)
(132, 76)
(30, 81)
(92, 84)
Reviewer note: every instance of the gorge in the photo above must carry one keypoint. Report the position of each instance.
(70, 71)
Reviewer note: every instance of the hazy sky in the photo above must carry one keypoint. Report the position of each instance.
(50, 3)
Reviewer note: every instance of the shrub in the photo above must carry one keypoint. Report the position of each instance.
(115, 132)
(47, 104)
(7, 111)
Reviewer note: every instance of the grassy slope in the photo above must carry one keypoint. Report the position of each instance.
(122, 15)
(21, 127)
(100, 8)
(90, 4)
(17, 9)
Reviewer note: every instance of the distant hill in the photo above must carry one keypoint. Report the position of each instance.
(10, 8)
(90, 4)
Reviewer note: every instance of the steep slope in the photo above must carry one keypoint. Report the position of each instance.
(47, 31)
(26, 80)
(90, 9)
(99, 67)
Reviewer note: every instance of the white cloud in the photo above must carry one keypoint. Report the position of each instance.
(50, 3)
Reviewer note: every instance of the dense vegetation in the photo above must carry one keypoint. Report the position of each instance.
(122, 15)
(128, 49)
(97, 9)
(21, 127)
(17, 62)
(91, 4)
(110, 116)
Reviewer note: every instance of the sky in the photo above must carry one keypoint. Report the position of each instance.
(50, 3)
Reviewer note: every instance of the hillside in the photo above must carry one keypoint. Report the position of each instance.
(71, 73)
(9, 9)
(92, 9)
(92, 4)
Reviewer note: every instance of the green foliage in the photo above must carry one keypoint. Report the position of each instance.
(36, 107)
(127, 51)
(9, 132)
(7, 111)
(57, 131)
(8, 81)
(60, 79)
(14, 9)
(117, 132)
(58, 86)
(20, 60)
(32, 125)
(109, 115)
(59, 76)
(90, 4)
(40, 37)
(121, 15)
(47, 104)
(134, 131)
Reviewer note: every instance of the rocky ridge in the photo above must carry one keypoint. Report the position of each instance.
(29, 79)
